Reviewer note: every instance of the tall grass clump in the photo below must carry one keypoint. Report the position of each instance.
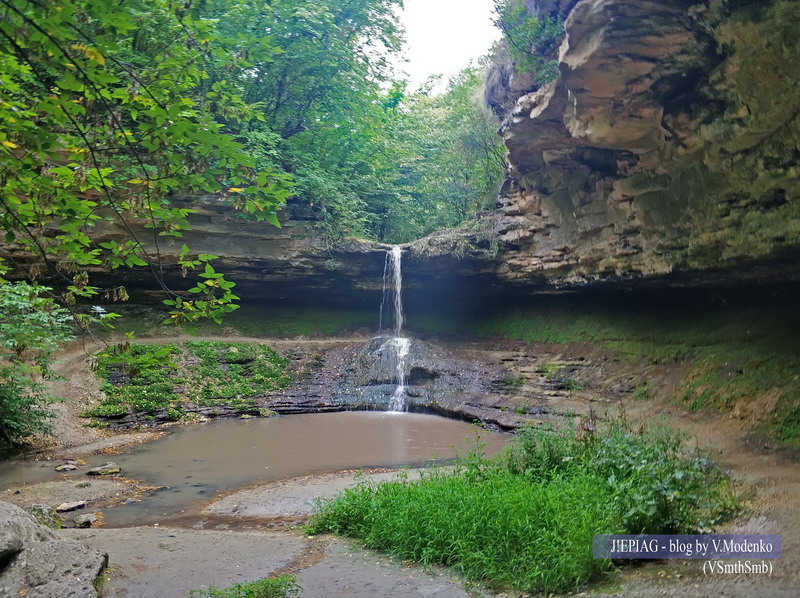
(525, 519)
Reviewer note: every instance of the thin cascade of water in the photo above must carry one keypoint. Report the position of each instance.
(398, 400)
(392, 289)
(393, 294)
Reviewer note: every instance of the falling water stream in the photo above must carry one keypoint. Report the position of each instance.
(399, 345)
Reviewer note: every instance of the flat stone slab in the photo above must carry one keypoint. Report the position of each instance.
(65, 507)
(348, 570)
(153, 562)
(297, 496)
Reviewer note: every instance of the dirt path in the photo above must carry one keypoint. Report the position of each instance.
(162, 562)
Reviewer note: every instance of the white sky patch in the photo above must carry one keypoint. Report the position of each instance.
(443, 36)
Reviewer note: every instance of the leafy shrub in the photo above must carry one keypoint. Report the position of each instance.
(656, 487)
(31, 328)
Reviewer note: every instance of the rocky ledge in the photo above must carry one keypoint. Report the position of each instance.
(36, 563)
(668, 147)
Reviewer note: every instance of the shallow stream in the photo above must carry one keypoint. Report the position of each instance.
(196, 463)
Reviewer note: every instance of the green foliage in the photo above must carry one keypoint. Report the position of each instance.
(451, 159)
(273, 587)
(146, 378)
(318, 98)
(436, 158)
(31, 328)
(233, 372)
(138, 376)
(113, 111)
(655, 487)
(526, 519)
(532, 42)
(104, 120)
(217, 298)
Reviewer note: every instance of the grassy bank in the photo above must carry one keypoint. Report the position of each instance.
(525, 519)
(145, 377)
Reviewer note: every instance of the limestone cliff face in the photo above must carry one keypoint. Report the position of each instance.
(297, 263)
(669, 145)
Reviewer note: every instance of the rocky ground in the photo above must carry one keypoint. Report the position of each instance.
(252, 533)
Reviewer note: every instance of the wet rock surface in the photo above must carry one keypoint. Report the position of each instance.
(85, 520)
(501, 387)
(109, 468)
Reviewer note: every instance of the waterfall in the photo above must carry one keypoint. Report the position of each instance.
(392, 289)
(392, 295)
(400, 346)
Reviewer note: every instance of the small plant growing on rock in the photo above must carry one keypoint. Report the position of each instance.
(273, 587)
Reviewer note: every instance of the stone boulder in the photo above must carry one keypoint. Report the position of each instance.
(36, 563)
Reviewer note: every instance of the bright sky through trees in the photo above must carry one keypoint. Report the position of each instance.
(444, 35)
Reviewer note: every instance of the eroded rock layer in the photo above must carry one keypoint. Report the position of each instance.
(669, 146)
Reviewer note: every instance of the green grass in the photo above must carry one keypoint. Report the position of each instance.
(525, 520)
(274, 587)
(147, 377)
(233, 372)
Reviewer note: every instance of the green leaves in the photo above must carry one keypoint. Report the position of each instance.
(532, 42)
(215, 296)
(32, 326)
(105, 118)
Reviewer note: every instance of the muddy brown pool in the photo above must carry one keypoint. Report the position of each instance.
(196, 463)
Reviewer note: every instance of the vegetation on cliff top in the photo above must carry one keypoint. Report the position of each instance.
(532, 41)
